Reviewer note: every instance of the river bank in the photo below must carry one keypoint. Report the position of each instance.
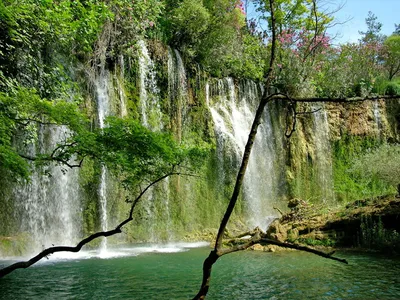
(365, 224)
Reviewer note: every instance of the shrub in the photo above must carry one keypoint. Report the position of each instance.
(374, 235)
(392, 89)
(382, 163)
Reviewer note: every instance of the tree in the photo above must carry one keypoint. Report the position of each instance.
(392, 55)
(372, 35)
(397, 29)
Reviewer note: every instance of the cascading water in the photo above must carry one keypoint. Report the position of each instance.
(177, 90)
(323, 154)
(151, 117)
(49, 206)
(233, 118)
(120, 87)
(377, 117)
(103, 108)
(150, 110)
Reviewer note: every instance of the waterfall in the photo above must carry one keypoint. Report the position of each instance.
(48, 206)
(323, 154)
(377, 117)
(120, 87)
(233, 116)
(177, 91)
(156, 200)
(150, 109)
(103, 110)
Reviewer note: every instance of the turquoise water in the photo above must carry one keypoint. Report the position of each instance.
(244, 275)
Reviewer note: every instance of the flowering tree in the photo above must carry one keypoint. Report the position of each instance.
(301, 57)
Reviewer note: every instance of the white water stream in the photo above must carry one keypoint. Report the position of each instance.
(150, 110)
(103, 110)
(323, 154)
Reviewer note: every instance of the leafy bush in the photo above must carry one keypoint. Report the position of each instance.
(374, 235)
(382, 163)
(351, 182)
(213, 34)
(190, 21)
(392, 89)
(327, 242)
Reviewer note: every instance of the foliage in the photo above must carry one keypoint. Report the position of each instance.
(382, 163)
(213, 34)
(38, 38)
(300, 58)
(351, 184)
(326, 242)
(132, 20)
(308, 64)
(190, 21)
(372, 35)
(134, 153)
(392, 89)
(22, 111)
(302, 44)
(392, 55)
(374, 235)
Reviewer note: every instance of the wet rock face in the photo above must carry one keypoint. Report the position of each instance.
(367, 118)
(277, 231)
(343, 228)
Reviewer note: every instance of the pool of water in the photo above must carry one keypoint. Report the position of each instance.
(174, 272)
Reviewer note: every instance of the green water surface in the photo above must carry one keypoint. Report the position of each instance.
(245, 275)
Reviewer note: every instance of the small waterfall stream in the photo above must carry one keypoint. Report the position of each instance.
(377, 117)
(150, 110)
(151, 117)
(103, 108)
(323, 154)
(177, 91)
(120, 87)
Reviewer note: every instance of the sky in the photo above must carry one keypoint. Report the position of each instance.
(353, 14)
(355, 11)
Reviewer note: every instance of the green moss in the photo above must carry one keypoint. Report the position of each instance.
(15, 245)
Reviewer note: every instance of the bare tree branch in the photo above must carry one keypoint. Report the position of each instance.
(266, 241)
